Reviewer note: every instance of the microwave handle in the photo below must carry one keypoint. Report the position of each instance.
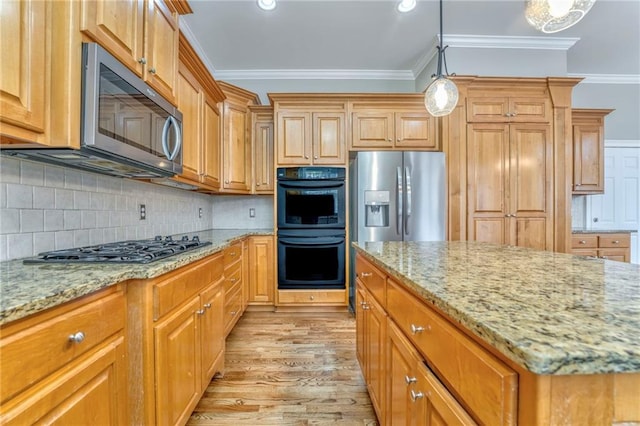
(165, 140)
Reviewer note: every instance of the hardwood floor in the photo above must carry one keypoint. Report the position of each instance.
(288, 369)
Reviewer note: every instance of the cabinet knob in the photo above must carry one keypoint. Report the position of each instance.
(389, 140)
(603, 257)
(142, 60)
(616, 241)
(415, 396)
(583, 242)
(152, 70)
(578, 184)
(233, 280)
(233, 313)
(410, 380)
(257, 184)
(207, 305)
(77, 337)
(365, 307)
(315, 157)
(415, 329)
(306, 156)
(365, 274)
(226, 181)
(200, 312)
(311, 297)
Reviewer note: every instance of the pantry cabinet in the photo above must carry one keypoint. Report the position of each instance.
(67, 364)
(588, 150)
(236, 140)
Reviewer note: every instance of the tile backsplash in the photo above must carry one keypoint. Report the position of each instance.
(44, 207)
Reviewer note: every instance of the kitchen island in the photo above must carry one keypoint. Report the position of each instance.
(562, 331)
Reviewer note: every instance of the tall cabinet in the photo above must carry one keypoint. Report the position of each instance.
(509, 161)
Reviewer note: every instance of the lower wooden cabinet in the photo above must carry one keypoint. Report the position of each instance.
(67, 365)
(234, 276)
(261, 270)
(605, 245)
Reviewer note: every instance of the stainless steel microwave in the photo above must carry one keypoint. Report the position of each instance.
(127, 128)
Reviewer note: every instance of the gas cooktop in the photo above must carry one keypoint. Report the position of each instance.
(132, 251)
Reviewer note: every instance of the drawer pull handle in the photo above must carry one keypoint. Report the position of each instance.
(583, 242)
(616, 241)
(415, 329)
(233, 313)
(365, 307)
(410, 380)
(77, 338)
(233, 280)
(366, 274)
(207, 305)
(415, 396)
(200, 311)
(233, 253)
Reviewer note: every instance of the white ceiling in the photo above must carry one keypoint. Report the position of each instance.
(364, 37)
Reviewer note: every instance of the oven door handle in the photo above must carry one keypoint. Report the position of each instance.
(312, 241)
(311, 184)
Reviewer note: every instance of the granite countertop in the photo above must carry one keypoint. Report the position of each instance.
(26, 289)
(551, 313)
(602, 231)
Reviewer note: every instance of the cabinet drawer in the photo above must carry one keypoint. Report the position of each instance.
(232, 310)
(176, 288)
(232, 254)
(33, 353)
(614, 241)
(373, 280)
(232, 279)
(482, 383)
(581, 241)
(311, 297)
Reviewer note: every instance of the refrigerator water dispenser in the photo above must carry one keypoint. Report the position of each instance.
(376, 208)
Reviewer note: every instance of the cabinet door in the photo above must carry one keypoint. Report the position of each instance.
(372, 129)
(401, 379)
(236, 149)
(212, 331)
(487, 110)
(375, 350)
(23, 82)
(294, 138)
(261, 270)
(588, 161)
(530, 186)
(161, 38)
(329, 146)
(89, 392)
(263, 156)
(211, 143)
(118, 27)
(177, 365)
(529, 110)
(360, 337)
(415, 130)
(488, 170)
(189, 102)
(617, 254)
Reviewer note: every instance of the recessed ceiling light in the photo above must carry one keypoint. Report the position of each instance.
(267, 4)
(406, 5)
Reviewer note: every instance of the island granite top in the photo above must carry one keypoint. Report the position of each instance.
(551, 313)
(26, 289)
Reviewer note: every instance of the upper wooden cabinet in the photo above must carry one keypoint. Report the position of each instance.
(143, 35)
(588, 150)
(236, 140)
(262, 147)
(388, 129)
(489, 109)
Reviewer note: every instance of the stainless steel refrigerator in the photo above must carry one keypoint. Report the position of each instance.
(396, 196)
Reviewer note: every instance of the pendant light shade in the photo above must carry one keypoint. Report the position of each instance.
(441, 97)
(551, 16)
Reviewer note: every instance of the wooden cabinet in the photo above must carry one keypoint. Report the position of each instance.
(311, 138)
(588, 150)
(233, 285)
(262, 148)
(143, 35)
(198, 97)
(261, 270)
(393, 130)
(371, 320)
(511, 109)
(67, 364)
(510, 193)
(236, 142)
(603, 245)
(177, 340)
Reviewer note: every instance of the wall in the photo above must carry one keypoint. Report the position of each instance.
(232, 211)
(45, 207)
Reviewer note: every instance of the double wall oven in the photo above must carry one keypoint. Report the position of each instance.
(311, 227)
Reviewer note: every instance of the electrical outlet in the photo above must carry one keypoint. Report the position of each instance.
(252, 212)
(143, 212)
(200, 212)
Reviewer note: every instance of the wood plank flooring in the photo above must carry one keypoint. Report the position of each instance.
(288, 369)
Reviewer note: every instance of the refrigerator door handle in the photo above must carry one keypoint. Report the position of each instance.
(407, 179)
(399, 200)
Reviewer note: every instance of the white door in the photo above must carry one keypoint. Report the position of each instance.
(619, 206)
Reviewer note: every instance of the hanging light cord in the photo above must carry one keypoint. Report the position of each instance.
(441, 51)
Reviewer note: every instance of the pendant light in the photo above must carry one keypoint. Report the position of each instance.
(441, 97)
(551, 16)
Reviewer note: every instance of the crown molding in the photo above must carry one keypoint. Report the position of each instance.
(193, 41)
(509, 42)
(608, 78)
(425, 59)
(311, 74)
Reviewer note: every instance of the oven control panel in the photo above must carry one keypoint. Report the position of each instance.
(311, 173)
